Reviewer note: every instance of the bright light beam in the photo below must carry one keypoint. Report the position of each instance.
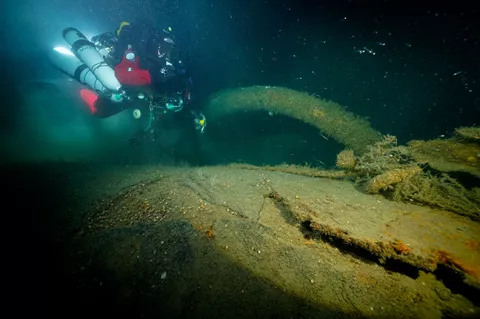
(63, 50)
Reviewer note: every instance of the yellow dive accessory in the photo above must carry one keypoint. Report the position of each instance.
(119, 30)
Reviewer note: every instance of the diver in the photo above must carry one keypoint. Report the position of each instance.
(147, 63)
(156, 49)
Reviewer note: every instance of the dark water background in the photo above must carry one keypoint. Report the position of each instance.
(412, 68)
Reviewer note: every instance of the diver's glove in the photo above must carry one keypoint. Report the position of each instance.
(200, 121)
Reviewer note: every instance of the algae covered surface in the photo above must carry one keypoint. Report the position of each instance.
(329, 117)
(235, 243)
(448, 155)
